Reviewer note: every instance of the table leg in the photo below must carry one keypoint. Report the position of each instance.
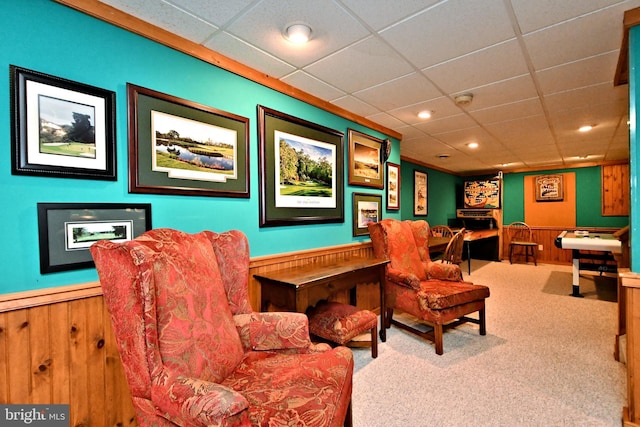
(383, 305)
(576, 275)
(469, 257)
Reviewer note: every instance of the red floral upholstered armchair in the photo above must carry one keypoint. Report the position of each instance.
(196, 354)
(433, 292)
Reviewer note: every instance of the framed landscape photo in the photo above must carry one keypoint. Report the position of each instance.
(366, 155)
(393, 186)
(301, 164)
(419, 193)
(549, 188)
(182, 147)
(67, 230)
(61, 128)
(367, 208)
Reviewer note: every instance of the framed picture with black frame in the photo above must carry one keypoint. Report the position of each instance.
(67, 230)
(61, 128)
(367, 208)
(301, 171)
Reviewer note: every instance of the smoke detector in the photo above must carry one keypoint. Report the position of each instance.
(464, 99)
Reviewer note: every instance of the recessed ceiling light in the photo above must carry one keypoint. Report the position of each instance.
(298, 33)
(585, 128)
(426, 114)
(472, 145)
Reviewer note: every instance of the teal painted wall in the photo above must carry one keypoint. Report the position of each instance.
(634, 153)
(443, 192)
(588, 198)
(44, 36)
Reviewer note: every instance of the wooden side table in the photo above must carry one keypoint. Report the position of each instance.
(298, 288)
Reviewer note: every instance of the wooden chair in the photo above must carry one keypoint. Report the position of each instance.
(441, 231)
(453, 253)
(520, 236)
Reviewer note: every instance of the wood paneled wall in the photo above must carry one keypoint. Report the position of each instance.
(546, 236)
(60, 349)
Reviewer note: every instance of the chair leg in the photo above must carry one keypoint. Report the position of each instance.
(510, 254)
(348, 420)
(374, 342)
(437, 334)
(483, 321)
(389, 317)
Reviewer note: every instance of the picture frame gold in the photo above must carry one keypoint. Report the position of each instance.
(420, 193)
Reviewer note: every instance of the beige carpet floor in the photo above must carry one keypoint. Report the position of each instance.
(547, 359)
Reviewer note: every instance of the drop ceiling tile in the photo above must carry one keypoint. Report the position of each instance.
(447, 124)
(354, 105)
(359, 66)
(301, 80)
(574, 75)
(217, 12)
(385, 119)
(247, 54)
(167, 17)
(503, 92)
(440, 108)
(604, 35)
(384, 13)
(406, 90)
(587, 95)
(451, 29)
(264, 24)
(534, 15)
(479, 68)
(506, 112)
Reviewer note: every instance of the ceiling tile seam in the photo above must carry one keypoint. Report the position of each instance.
(532, 72)
(231, 21)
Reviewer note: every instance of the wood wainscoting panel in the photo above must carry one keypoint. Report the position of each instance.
(65, 353)
(57, 345)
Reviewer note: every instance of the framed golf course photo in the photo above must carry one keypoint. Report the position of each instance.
(301, 171)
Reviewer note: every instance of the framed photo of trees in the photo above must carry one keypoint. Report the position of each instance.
(301, 171)
(61, 128)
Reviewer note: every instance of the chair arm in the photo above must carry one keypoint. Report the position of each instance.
(408, 280)
(443, 271)
(261, 331)
(191, 401)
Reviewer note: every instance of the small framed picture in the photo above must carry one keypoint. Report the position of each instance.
(61, 128)
(366, 155)
(549, 188)
(67, 230)
(419, 193)
(393, 186)
(367, 208)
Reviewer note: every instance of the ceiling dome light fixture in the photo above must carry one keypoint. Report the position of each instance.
(472, 145)
(463, 99)
(585, 128)
(298, 33)
(426, 114)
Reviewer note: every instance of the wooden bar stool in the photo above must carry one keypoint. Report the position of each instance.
(341, 323)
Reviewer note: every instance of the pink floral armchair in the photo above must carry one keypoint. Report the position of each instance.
(431, 291)
(194, 351)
